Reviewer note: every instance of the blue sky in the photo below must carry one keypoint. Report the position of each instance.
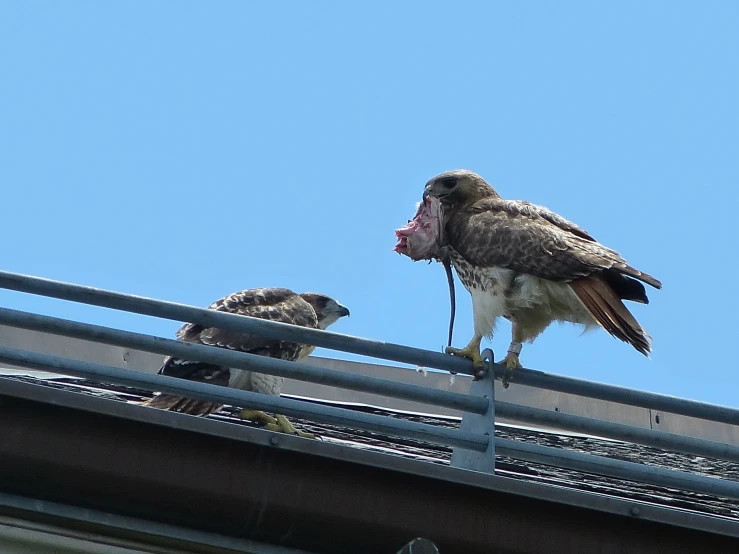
(185, 150)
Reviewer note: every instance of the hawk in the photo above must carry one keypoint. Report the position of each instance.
(312, 310)
(525, 263)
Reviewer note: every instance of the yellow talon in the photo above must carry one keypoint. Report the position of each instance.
(279, 424)
(512, 362)
(471, 351)
(257, 415)
(286, 427)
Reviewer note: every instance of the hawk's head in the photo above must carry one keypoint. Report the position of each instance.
(327, 309)
(458, 188)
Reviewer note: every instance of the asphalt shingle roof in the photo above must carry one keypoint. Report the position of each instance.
(686, 500)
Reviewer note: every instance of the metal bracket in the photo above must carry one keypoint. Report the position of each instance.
(480, 424)
(419, 546)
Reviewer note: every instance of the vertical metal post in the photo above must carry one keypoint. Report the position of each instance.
(482, 424)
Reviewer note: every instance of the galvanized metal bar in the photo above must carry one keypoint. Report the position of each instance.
(524, 376)
(257, 401)
(242, 360)
(346, 343)
(628, 433)
(619, 469)
(549, 456)
(622, 395)
(480, 424)
(212, 318)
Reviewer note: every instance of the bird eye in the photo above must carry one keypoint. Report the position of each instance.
(449, 183)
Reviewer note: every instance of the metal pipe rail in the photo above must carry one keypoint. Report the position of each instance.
(590, 463)
(257, 401)
(627, 433)
(305, 372)
(212, 318)
(242, 360)
(402, 428)
(476, 429)
(622, 395)
(357, 345)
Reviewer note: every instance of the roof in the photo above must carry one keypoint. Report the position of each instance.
(370, 468)
(439, 454)
(91, 456)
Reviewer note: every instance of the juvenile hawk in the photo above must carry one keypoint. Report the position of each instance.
(313, 310)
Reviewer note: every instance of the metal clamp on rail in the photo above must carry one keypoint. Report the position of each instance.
(484, 423)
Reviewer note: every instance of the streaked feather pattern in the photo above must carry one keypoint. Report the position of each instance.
(537, 265)
(274, 304)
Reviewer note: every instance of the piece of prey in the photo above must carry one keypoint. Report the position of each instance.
(422, 238)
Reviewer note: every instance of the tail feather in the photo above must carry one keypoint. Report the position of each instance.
(607, 309)
(175, 403)
(625, 287)
(645, 277)
(191, 371)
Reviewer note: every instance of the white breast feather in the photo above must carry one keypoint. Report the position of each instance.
(555, 300)
(487, 306)
(266, 384)
(240, 379)
(493, 296)
(255, 382)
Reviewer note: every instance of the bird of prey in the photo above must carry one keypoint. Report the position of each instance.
(525, 263)
(312, 310)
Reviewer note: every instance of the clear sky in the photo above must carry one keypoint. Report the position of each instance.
(185, 150)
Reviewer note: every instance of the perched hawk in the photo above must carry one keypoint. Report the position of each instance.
(525, 263)
(275, 304)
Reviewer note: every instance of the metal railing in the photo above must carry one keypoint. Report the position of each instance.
(474, 445)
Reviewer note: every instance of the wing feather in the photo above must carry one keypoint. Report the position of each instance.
(533, 240)
(610, 312)
(274, 304)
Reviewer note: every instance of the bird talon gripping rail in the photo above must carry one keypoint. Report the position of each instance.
(474, 444)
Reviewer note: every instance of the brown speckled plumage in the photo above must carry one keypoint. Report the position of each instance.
(311, 310)
(531, 266)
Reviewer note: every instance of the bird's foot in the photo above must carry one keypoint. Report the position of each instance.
(511, 362)
(279, 424)
(471, 351)
(258, 415)
(284, 426)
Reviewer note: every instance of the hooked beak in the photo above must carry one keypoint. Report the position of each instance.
(343, 311)
(426, 193)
